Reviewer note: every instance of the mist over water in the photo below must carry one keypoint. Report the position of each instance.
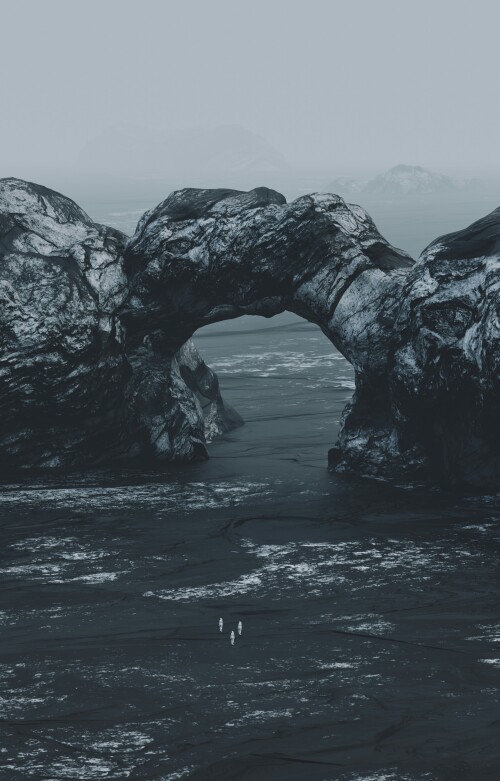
(355, 86)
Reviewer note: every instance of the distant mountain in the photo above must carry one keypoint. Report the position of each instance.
(345, 186)
(132, 149)
(401, 181)
(409, 180)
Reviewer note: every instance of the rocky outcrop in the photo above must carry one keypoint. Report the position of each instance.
(439, 418)
(69, 394)
(422, 338)
(207, 255)
(95, 357)
(445, 379)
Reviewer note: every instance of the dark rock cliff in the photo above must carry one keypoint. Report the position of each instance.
(69, 394)
(96, 362)
(445, 381)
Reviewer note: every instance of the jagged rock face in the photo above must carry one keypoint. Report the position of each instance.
(446, 382)
(69, 395)
(96, 362)
(60, 279)
(442, 412)
(423, 338)
(208, 255)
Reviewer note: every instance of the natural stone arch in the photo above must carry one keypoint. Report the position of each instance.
(95, 358)
(203, 256)
(423, 338)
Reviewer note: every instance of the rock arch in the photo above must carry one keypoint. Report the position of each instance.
(203, 256)
(96, 362)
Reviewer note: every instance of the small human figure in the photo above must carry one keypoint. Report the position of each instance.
(221, 624)
(232, 636)
(240, 627)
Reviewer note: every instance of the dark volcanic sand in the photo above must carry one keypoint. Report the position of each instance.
(371, 633)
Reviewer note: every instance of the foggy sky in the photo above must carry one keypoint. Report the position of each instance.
(364, 83)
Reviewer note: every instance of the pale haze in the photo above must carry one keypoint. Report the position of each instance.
(359, 86)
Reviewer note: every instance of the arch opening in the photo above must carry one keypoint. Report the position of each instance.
(286, 380)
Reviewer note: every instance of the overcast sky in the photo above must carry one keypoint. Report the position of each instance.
(346, 83)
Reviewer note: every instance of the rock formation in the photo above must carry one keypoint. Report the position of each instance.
(445, 379)
(69, 395)
(95, 357)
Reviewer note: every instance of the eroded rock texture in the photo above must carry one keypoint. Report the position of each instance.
(95, 357)
(69, 394)
(207, 255)
(445, 381)
(423, 338)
